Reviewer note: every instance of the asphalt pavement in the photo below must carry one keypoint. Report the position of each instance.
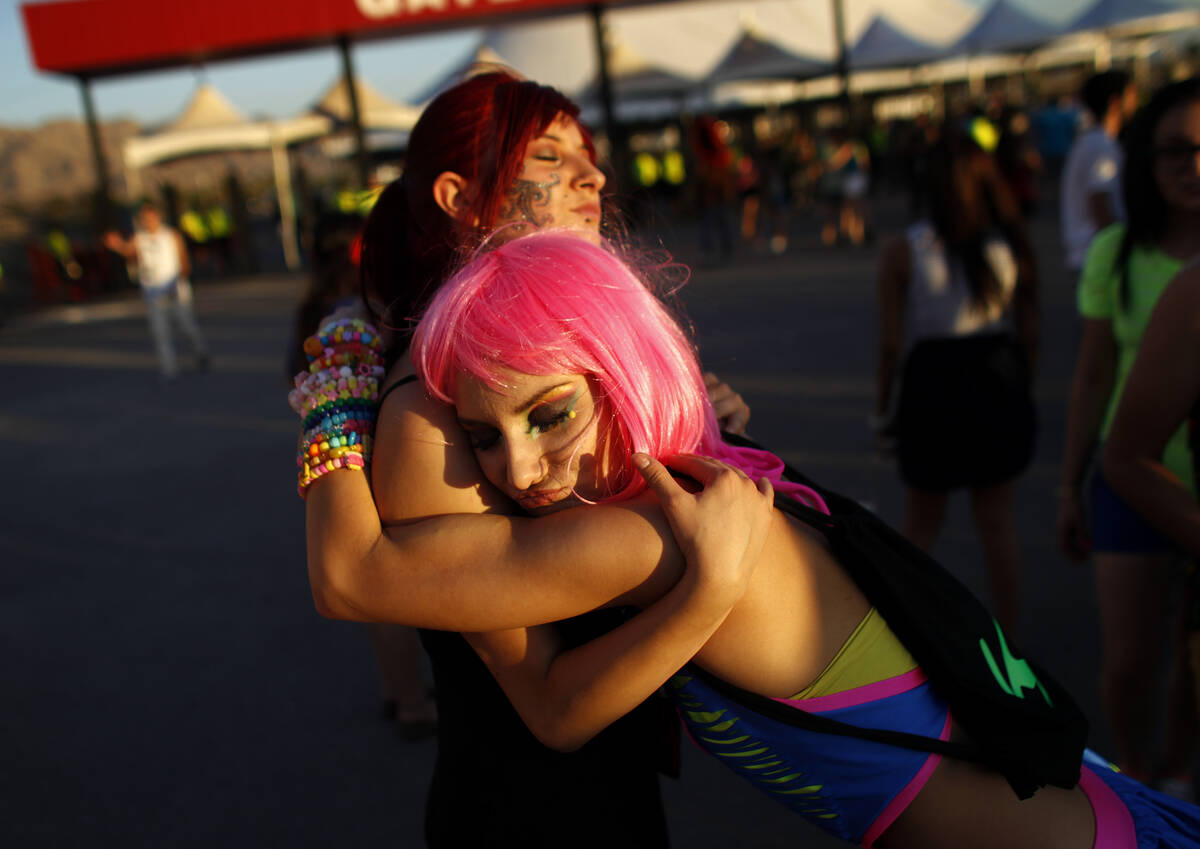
(166, 679)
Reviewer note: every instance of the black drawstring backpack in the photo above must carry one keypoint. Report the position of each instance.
(1019, 720)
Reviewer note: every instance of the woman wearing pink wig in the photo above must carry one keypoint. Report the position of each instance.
(568, 377)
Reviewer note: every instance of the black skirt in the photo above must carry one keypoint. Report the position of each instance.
(966, 416)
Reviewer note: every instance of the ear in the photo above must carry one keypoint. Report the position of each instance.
(450, 193)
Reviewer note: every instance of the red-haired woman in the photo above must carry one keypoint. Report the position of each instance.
(493, 157)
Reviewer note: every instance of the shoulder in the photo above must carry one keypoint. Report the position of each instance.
(1102, 250)
(422, 464)
(408, 408)
(1097, 281)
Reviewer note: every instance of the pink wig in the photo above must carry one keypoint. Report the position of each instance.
(553, 303)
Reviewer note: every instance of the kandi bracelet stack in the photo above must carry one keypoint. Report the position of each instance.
(337, 398)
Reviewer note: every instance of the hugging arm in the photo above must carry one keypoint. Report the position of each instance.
(1161, 391)
(567, 697)
(437, 560)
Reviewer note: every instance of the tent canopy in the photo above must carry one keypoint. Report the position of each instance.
(755, 58)
(634, 77)
(377, 111)
(479, 59)
(1005, 27)
(1109, 13)
(883, 45)
(207, 108)
(210, 123)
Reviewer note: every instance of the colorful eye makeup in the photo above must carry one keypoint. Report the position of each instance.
(552, 412)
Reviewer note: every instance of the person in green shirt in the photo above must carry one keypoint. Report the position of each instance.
(1138, 569)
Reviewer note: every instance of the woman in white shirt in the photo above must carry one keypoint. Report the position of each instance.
(958, 308)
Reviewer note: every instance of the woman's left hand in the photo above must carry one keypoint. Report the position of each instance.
(732, 412)
(720, 529)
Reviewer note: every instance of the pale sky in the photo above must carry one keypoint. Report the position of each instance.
(279, 86)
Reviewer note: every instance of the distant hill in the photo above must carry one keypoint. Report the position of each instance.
(51, 166)
(55, 159)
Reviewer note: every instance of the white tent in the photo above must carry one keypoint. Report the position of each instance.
(884, 45)
(376, 111)
(689, 37)
(207, 108)
(641, 89)
(1137, 14)
(478, 60)
(1004, 28)
(210, 123)
(755, 58)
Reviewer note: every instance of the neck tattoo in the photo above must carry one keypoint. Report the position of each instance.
(525, 195)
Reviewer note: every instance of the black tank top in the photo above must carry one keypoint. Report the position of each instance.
(495, 785)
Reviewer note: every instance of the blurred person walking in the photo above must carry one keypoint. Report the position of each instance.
(844, 182)
(1018, 159)
(158, 252)
(715, 190)
(1137, 568)
(961, 284)
(1090, 197)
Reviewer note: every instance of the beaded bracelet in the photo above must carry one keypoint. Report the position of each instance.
(336, 399)
(329, 385)
(343, 330)
(308, 473)
(321, 453)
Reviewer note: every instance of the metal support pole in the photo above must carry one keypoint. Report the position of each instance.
(287, 203)
(102, 209)
(360, 144)
(616, 141)
(841, 66)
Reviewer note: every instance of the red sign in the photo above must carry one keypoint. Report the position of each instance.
(97, 37)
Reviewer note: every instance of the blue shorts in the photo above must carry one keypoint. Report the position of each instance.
(1117, 528)
(1130, 815)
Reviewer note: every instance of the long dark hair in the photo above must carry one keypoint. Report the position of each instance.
(479, 130)
(1146, 212)
(968, 203)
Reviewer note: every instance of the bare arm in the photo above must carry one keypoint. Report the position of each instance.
(1160, 392)
(185, 264)
(117, 243)
(894, 264)
(567, 697)
(434, 561)
(1095, 373)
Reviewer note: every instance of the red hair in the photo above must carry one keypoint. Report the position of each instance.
(478, 129)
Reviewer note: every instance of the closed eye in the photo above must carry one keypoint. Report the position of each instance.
(544, 423)
(483, 438)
